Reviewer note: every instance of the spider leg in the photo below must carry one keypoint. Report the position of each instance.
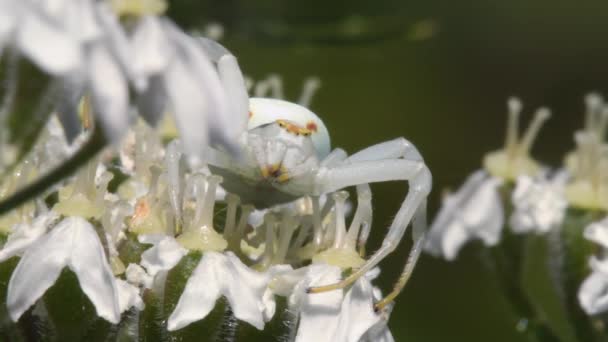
(396, 148)
(393, 160)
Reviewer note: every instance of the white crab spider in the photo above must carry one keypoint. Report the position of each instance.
(285, 155)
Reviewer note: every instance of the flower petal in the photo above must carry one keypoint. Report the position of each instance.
(137, 275)
(151, 48)
(74, 243)
(25, 234)
(475, 211)
(200, 105)
(163, 256)
(109, 92)
(37, 270)
(318, 312)
(357, 316)
(89, 262)
(128, 296)
(539, 204)
(597, 232)
(216, 275)
(51, 48)
(593, 294)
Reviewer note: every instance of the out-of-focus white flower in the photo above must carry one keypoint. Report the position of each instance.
(588, 163)
(174, 72)
(598, 232)
(539, 204)
(593, 293)
(82, 45)
(475, 211)
(218, 275)
(72, 243)
(333, 315)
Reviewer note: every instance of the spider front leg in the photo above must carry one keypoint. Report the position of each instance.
(394, 160)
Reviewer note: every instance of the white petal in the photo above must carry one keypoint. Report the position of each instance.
(53, 49)
(138, 276)
(80, 21)
(115, 36)
(475, 211)
(455, 236)
(128, 296)
(200, 105)
(378, 333)
(109, 92)
(598, 232)
(163, 256)
(539, 204)
(37, 270)
(226, 275)
(89, 262)
(318, 312)
(151, 48)
(234, 87)
(74, 243)
(25, 234)
(357, 316)
(593, 294)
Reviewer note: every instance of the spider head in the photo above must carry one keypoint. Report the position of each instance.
(285, 139)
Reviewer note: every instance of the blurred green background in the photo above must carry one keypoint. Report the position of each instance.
(437, 73)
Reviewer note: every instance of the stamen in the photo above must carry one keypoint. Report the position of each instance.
(272, 86)
(340, 230)
(593, 103)
(302, 235)
(276, 86)
(514, 105)
(363, 214)
(270, 222)
(316, 221)
(308, 91)
(233, 202)
(365, 230)
(175, 175)
(288, 226)
(205, 214)
(235, 242)
(532, 132)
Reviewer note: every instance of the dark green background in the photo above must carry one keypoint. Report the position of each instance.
(446, 94)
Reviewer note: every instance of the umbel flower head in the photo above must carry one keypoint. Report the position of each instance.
(153, 240)
(477, 211)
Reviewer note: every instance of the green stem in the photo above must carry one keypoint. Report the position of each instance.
(507, 267)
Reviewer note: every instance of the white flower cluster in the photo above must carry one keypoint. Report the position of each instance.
(152, 66)
(249, 260)
(593, 293)
(477, 210)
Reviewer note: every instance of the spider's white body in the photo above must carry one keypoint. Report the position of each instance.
(280, 153)
(285, 155)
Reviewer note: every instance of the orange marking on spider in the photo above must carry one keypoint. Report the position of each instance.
(293, 128)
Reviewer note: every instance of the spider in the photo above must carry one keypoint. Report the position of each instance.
(285, 156)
